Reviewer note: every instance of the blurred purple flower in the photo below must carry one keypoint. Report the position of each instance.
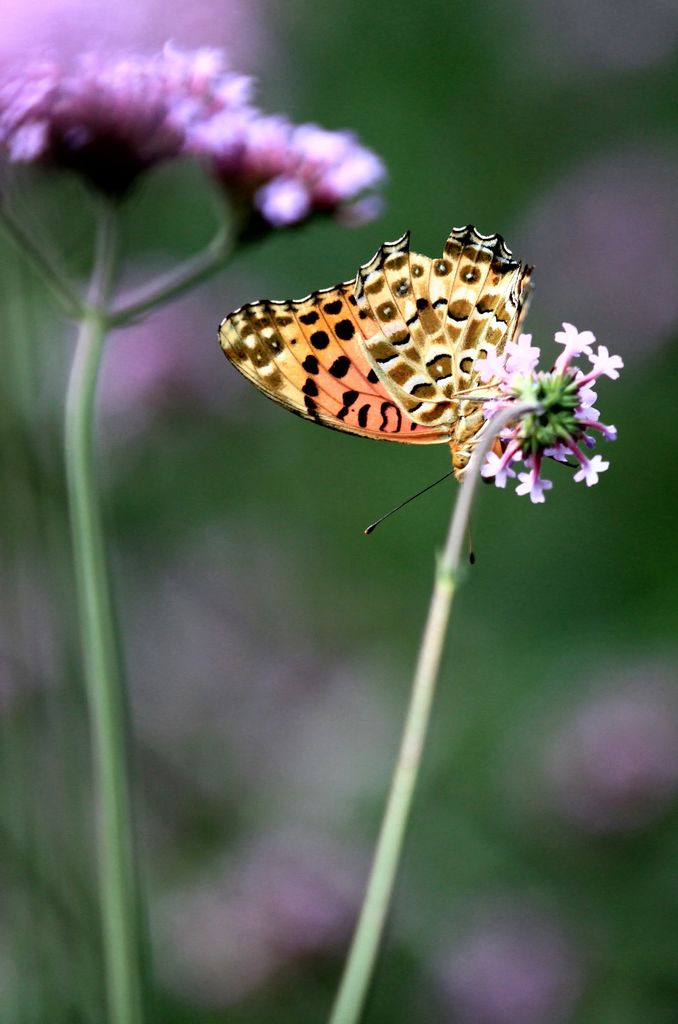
(283, 201)
(608, 236)
(286, 172)
(285, 899)
(614, 764)
(109, 120)
(512, 966)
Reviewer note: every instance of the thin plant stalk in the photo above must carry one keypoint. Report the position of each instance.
(102, 669)
(176, 282)
(360, 964)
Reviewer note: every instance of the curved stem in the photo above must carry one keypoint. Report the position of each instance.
(170, 286)
(103, 677)
(362, 955)
(65, 296)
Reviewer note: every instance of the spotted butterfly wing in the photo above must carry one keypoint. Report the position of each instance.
(308, 355)
(389, 355)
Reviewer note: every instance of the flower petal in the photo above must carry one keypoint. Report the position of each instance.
(605, 364)
(590, 470)
(533, 485)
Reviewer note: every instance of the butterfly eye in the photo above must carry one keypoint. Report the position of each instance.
(441, 267)
(402, 288)
(417, 270)
(471, 275)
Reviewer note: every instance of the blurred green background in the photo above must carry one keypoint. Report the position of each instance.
(269, 645)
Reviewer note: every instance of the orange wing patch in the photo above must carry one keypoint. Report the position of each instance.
(308, 355)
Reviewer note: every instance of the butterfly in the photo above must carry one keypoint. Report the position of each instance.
(390, 355)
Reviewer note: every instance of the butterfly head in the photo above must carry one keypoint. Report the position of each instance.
(460, 460)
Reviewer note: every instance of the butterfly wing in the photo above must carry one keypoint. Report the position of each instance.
(435, 316)
(309, 356)
(389, 355)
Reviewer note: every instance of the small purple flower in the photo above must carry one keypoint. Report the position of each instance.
(604, 363)
(531, 483)
(559, 452)
(565, 409)
(492, 366)
(574, 344)
(497, 468)
(590, 469)
(522, 357)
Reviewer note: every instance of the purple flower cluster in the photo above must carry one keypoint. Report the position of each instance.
(565, 417)
(287, 171)
(111, 120)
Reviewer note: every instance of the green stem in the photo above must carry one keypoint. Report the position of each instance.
(359, 969)
(172, 285)
(103, 677)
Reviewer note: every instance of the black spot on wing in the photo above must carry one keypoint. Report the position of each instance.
(311, 365)
(319, 339)
(344, 330)
(340, 367)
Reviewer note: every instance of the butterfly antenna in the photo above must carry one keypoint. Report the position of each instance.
(471, 552)
(402, 504)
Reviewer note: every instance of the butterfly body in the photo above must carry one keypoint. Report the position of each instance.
(389, 355)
